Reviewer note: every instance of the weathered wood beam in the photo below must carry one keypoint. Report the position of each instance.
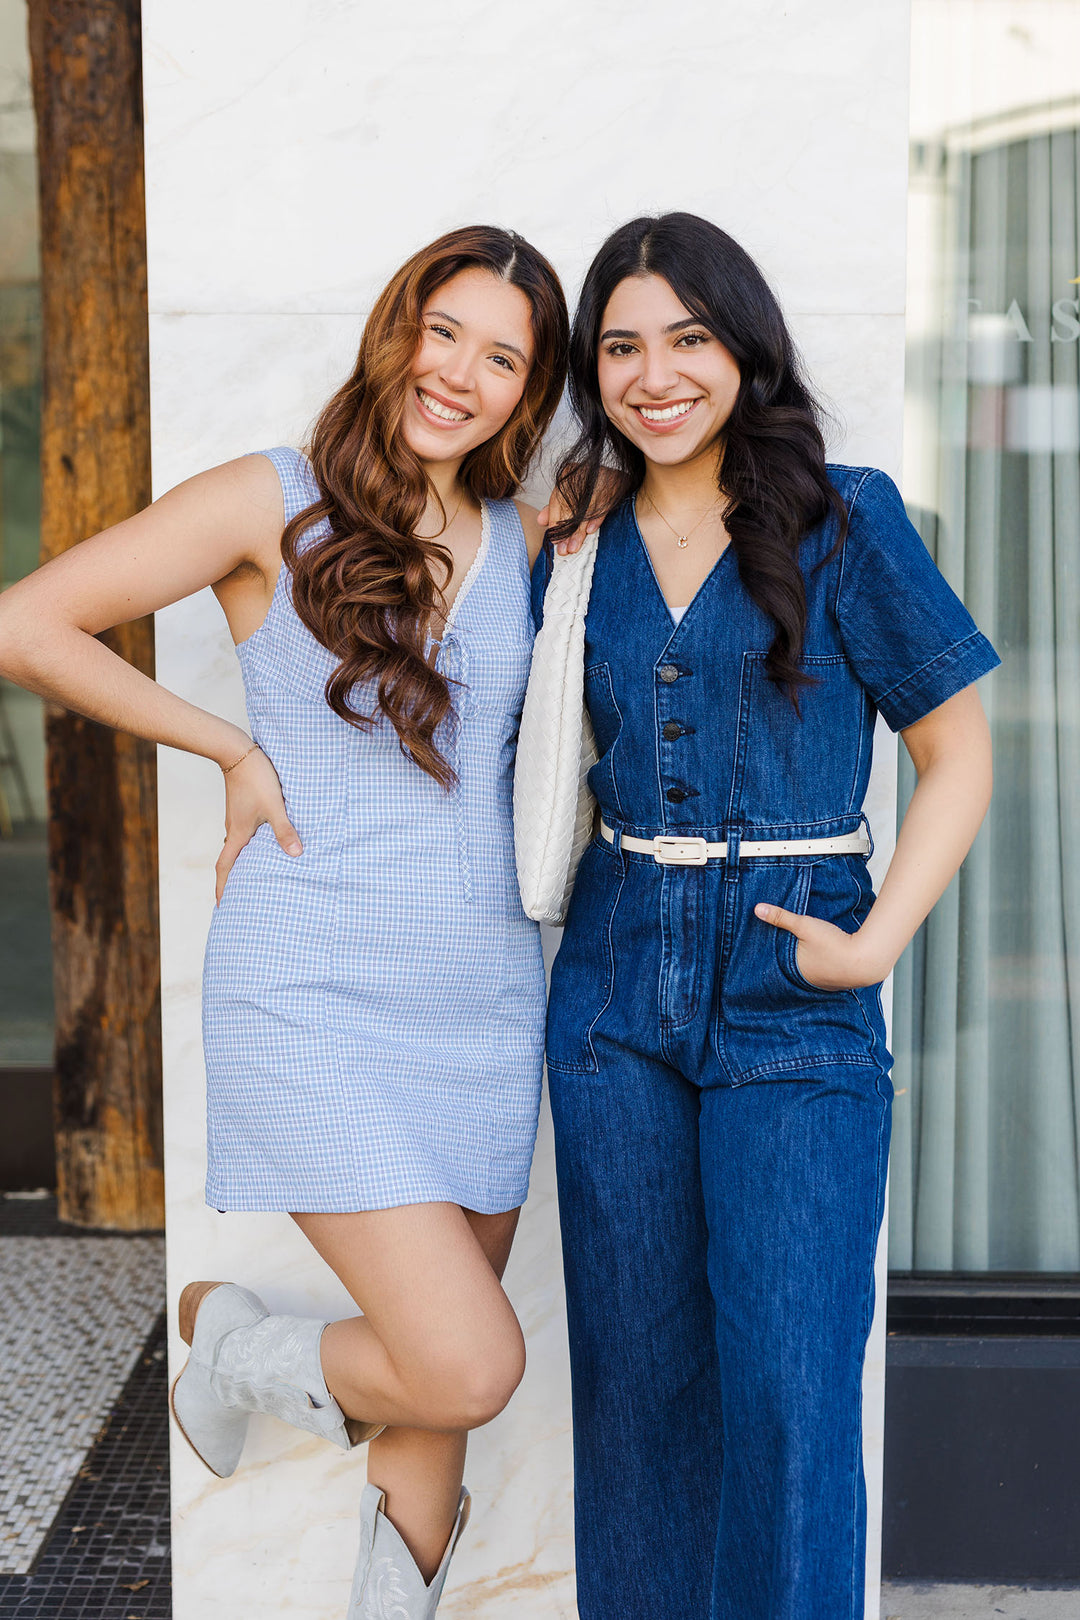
(87, 80)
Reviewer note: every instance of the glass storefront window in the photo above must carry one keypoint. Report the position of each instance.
(987, 1003)
(26, 1028)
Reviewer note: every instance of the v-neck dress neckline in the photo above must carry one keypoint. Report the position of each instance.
(675, 622)
(473, 571)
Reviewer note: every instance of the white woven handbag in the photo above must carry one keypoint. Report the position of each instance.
(553, 807)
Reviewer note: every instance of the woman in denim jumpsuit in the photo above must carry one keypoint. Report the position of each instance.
(722, 1119)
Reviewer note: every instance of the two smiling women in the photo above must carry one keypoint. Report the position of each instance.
(374, 994)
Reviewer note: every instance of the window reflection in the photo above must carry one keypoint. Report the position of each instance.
(987, 1008)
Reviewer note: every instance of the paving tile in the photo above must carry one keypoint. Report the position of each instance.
(77, 1311)
(107, 1556)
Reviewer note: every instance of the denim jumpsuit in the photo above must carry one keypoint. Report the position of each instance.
(722, 1125)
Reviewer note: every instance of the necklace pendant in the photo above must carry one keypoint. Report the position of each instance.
(682, 542)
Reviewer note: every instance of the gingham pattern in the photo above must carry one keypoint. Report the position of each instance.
(373, 1009)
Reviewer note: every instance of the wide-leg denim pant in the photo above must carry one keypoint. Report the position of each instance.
(719, 1243)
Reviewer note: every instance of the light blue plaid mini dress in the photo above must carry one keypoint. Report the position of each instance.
(373, 1009)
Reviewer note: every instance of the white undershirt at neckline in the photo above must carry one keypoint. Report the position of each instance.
(677, 613)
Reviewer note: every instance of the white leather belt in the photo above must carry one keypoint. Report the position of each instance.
(668, 850)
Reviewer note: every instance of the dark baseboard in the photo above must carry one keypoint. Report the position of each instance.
(982, 1459)
(27, 1153)
(984, 1305)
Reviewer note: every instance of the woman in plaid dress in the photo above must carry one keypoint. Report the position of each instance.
(373, 996)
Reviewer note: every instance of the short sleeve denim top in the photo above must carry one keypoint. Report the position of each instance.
(693, 736)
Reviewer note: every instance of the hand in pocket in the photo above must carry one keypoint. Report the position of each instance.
(826, 956)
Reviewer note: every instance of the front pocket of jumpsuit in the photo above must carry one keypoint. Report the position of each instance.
(787, 950)
(583, 971)
(772, 1021)
(833, 893)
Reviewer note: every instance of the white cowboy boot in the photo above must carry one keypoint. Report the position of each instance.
(244, 1360)
(387, 1584)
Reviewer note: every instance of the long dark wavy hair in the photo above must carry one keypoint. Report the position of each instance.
(772, 470)
(368, 589)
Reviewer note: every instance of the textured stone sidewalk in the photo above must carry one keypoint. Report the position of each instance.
(940, 1601)
(77, 1311)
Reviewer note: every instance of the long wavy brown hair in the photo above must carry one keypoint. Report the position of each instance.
(368, 589)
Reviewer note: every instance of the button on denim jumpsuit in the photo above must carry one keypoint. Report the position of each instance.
(722, 1125)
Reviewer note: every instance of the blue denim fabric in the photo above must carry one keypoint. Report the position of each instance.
(694, 739)
(721, 1124)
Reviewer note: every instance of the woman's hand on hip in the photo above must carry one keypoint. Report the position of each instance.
(252, 795)
(827, 957)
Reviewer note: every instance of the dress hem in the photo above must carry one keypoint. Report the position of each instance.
(302, 1206)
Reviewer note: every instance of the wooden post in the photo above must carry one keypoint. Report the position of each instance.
(87, 78)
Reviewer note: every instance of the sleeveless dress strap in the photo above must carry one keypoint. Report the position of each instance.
(298, 486)
(511, 548)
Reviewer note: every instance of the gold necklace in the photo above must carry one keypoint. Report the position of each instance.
(682, 539)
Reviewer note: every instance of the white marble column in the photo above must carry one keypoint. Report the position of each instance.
(296, 152)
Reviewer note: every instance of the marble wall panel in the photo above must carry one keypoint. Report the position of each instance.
(294, 155)
(393, 122)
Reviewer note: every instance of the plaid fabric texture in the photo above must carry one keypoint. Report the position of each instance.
(373, 1009)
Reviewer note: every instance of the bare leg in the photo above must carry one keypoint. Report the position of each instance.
(419, 1470)
(438, 1351)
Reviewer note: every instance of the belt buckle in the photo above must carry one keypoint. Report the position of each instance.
(670, 851)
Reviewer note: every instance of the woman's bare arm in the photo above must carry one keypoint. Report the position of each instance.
(221, 528)
(196, 535)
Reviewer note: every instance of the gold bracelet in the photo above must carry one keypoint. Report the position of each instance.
(225, 769)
